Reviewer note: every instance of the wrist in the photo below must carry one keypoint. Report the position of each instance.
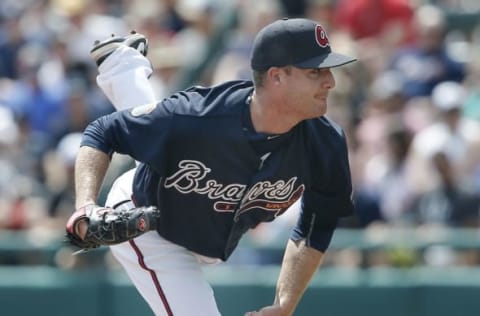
(84, 204)
(285, 307)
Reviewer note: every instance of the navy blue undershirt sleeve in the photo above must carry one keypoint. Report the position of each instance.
(93, 135)
(316, 231)
(329, 197)
(139, 132)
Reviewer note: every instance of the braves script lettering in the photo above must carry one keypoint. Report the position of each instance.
(275, 197)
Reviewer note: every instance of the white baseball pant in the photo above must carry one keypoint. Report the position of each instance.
(169, 277)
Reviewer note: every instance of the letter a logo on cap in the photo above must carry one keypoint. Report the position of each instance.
(321, 36)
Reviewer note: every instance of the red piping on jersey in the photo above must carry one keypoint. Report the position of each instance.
(154, 277)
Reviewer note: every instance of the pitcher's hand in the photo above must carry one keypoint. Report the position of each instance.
(273, 310)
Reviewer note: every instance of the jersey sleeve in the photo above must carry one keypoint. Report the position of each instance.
(328, 199)
(140, 132)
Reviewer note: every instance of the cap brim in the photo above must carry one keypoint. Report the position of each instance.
(326, 61)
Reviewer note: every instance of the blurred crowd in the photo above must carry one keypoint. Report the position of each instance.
(410, 106)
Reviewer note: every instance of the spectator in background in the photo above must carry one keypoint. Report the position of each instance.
(180, 33)
(11, 40)
(82, 22)
(453, 135)
(173, 20)
(394, 194)
(62, 180)
(38, 99)
(385, 185)
(427, 62)
(448, 204)
(379, 157)
(193, 39)
(18, 204)
(253, 15)
(380, 19)
(322, 10)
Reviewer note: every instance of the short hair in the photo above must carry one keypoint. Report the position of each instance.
(258, 78)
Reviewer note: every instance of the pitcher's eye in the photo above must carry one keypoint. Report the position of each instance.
(314, 73)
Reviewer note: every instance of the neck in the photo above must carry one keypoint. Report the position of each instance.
(267, 116)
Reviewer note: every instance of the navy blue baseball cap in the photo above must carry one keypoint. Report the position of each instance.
(296, 42)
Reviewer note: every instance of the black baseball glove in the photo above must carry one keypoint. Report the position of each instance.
(107, 226)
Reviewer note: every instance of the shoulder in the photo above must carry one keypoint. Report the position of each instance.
(201, 101)
(324, 126)
(326, 137)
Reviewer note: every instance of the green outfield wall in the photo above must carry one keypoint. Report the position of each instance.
(334, 291)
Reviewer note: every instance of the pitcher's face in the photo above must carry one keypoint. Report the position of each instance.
(306, 91)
